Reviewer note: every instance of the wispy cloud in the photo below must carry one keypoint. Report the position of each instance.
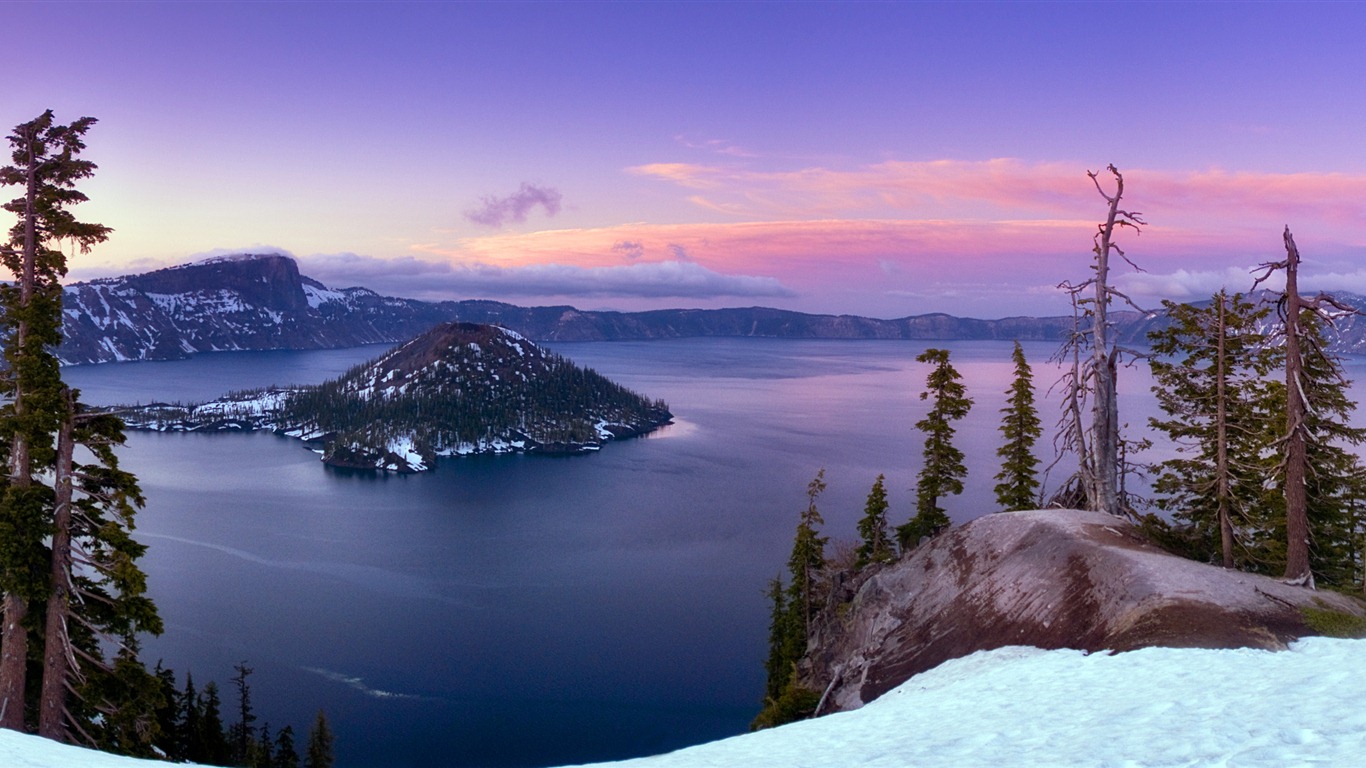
(497, 211)
(358, 684)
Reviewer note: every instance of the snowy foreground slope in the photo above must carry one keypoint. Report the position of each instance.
(1026, 707)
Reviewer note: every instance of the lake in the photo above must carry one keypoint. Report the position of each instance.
(526, 610)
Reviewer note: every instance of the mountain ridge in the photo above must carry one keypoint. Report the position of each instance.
(262, 301)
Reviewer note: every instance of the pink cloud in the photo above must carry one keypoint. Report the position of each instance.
(1206, 204)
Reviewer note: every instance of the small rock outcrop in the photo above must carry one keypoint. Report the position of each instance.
(1049, 579)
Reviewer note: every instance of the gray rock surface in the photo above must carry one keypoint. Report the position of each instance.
(1050, 579)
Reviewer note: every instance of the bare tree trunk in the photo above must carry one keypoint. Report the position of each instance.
(1296, 500)
(1221, 435)
(1105, 408)
(58, 655)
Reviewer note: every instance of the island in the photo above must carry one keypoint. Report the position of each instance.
(458, 389)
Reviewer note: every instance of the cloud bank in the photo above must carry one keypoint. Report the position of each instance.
(497, 211)
(433, 279)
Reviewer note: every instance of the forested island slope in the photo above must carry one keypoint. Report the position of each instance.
(458, 389)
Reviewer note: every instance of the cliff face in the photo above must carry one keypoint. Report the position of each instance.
(1049, 579)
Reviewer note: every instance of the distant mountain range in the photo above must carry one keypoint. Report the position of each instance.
(261, 301)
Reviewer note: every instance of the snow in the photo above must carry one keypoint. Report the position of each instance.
(1029, 708)
(319, 296)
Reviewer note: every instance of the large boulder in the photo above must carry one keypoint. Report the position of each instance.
(1050, 579)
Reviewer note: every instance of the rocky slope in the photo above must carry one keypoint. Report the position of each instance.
(263, 302)
(458, 389)
(1049, 579)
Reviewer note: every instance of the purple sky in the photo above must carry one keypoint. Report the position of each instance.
(883, 159)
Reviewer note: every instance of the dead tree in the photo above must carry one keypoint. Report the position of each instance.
(1098, 445)
(1294, 442)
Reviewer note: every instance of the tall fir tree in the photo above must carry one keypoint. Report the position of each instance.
(286, 755)
(1334, 481)
(806, 563)
(242, 733)
(67, 561)
(778, 667)
(943, 470)
(875, 542)
(320, 743)
(212, 743)
(1019, 482)
(1210, 370)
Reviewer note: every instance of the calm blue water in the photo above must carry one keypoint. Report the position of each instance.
(525, 611)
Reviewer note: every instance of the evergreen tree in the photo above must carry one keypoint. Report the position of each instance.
(1303, 343)
(1333, 479)
(876, 546)
(1019, 482)
(190, 724)
(47, 169)
(242, 734)
(286, 756)
(943, 470)
(213, 742)
(319, 744)
(778, 667)
(169, 740)
(263, 752)
(1209, 370)
(56, 511)
(806, 562)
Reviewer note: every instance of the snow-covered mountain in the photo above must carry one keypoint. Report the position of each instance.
(262, 302)
(233, 303)
(1028, 708)
(457, 389)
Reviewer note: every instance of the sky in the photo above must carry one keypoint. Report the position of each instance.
(1031, 708)
(881, 159)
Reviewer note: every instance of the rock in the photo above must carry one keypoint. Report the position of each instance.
(1049, 579)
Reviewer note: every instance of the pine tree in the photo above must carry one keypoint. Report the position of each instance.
(242, 734)
(1019, 482)
(263, 751)
(56, 511)
(46, 167)
(285, 754)
(1301, 344)
(876, 546)
(213, 742)
(1209, 370)
(806, 562)
(190, 724)
(778, 667)
(943, 470)
(319, 744)
(1333, 477)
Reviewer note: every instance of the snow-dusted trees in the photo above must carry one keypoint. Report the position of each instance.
(1210, 367)
(943, 470)
(1094, 375)
(1019, 482)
